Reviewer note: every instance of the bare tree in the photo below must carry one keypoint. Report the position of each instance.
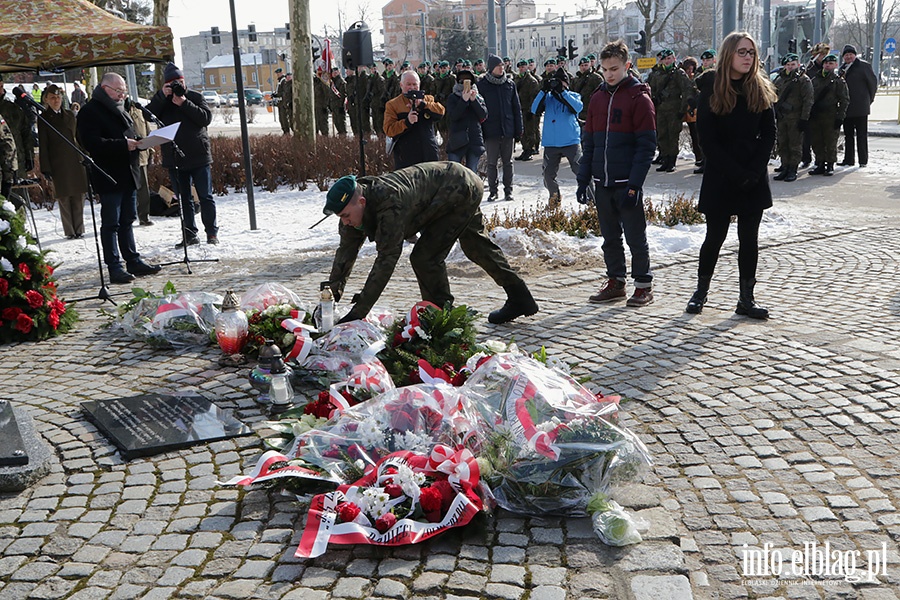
(693, 28)
(857, 26)
(160, 19)
(655, 17)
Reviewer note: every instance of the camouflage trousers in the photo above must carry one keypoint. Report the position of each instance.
(284, 117)
(790, 141)
(322, 122)
(531, 136)
(668, 130)
(352, 111)
(378, 120)
(466, 224)
(339, 118)
(824, 137)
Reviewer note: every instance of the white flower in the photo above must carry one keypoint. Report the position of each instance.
(5, 264)
(422, 333)
(373, 502)
(495, 346)
(370, 434)
(21, 242)
(4, 226)
(409, 440)
(8, 206)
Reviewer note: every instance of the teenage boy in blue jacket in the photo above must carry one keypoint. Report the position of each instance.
(561, 133)
(619, 140)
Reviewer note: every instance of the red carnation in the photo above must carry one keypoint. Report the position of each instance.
(11, 313)
(398, 339)
(35, 299)
(48, 270)
(430, 499)
(323, 396)
(385, 522)
(333, 452)
(393, 490)
(58, 305)
(459, 378)
(24, 323)
(4, 286)
(53, 319)
(414, 376)
(447, 493)
(347, 511)
(25, 271)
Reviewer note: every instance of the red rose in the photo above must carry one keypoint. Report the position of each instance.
(430, 499)
(323, 396)
(403, 421)
(347, 511)
(414, 376)
(24, 323)
(4, 286)
(25, 271)
(333, 452)
(35, 299)
(430, 418)
(58, 305)
(385, 522)
(398, 339)
(447, 493)
(459, 378)
(393, 490)
(11, 313)
(356, 451)
(53, 319)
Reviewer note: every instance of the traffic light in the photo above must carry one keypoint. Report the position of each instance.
(805, 45)
(640, 44)
(572, 49)
(287, 34)
(216, 38)
(792, 45)
(561, 52)
(251, 32)
(315, 52)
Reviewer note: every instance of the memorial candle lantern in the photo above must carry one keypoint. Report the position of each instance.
(260, 375)
(281, 393)
(231, 325)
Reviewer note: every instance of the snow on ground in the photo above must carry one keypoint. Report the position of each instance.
(284, 218)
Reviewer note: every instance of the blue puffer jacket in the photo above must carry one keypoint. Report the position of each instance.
(561, 126)
(503, 108)
(619, 136)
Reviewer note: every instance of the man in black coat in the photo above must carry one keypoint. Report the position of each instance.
(503, 125)
(863, 85)
(177, 104)
(106, 131)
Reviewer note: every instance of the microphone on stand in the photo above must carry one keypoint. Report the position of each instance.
(18, 92)
(147, 113)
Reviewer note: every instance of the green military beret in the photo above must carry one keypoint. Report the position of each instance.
(506, 59)
(444, 63)
(592, 56)
(708, 53)
(423, 65)
(789, 57)
(550, 61)
(279, 70)
(522, 63)
(830, 58)
(584, 60)
(480, 61)
(665, 52)
(405, 64)
(530, 61)
(467, 63)
(387, 61)
(340, 195)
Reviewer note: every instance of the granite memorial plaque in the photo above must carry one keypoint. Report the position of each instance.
(12, 448)
(155, 423)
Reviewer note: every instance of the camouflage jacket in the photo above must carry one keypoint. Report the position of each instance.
(671, 89)
(795, 95)
(427, 84)
(831, 98)
(376, 91)
(338, 94)
(528, 87)
(321, 94)
(585, 84)
(443, 86)
(8, 163)
(399, 205)
(391, 86)
(20, 126)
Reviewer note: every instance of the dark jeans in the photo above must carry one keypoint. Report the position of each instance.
(695, 141)
(499, 149)
(202, 180)
(467, 157)
(857, 126)
(618, 215)
(117, 213)
(553, 155)
(748, 239)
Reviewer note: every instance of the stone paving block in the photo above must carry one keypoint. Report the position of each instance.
(306, 594)
(351, 587)
(237, 589)
(653, 587)
(507, 554)
(288, 572)
(316, 577)
(462, 582)
(391, 588)
(547, 576)
(653, 557)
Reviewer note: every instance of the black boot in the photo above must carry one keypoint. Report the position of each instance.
(829, 169)
(659, 159)
(664, 164)
(783, 172)
(695, 304)
(519, 303)
(791, 173)
(670, 166)
(746, 305)
(819, 170)
(779, 168)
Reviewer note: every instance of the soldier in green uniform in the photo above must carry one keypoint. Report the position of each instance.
(358, 94)
(439, 200)
(528, 87)
(549, 70)
(377, 101)
(281, 95)
(707, 61)
(795, 98)
(391, 81)
(671, 90)
(321, 101)
(585, 83)
(830, 101)
(337, 101)
(426, 79)
(20, 126)
(8, 164)
(478, 68)
(443, 88)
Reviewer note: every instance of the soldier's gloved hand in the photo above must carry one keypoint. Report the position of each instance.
(803, 125)
(581, 194)
(838, 123)
(351, 316)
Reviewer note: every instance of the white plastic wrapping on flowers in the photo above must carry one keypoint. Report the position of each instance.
(552, 444)
(177, 320)
(268, 294)
(615, 526)
(355, 338)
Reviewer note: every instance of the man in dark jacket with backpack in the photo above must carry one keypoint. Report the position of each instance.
(503, 125)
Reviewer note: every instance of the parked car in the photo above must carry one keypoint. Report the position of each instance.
(253, 96)
(212, 98)
(231, 99)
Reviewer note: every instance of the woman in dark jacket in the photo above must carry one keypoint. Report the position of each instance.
(466, 111)
(736, 123)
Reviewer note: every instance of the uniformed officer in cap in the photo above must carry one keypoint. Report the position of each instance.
(284, 95)
(671, 91)
(585, 83)
(528, 86)
(707, 61)
(795, 99)
(830, 103)
(440, 201)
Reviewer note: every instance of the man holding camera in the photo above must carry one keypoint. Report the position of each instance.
(176, 104)
(409, 119)
(562, 131)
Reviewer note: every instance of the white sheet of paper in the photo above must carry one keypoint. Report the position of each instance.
(158, 137)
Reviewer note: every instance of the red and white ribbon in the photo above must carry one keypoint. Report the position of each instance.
(303, 341)
(413, 323)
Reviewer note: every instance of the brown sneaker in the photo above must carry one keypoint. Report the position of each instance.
(613, 290)
(555, 201)
(641, 297)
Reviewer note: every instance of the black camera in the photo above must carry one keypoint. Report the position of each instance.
(415, 95)
(178, 88)
(555, 83)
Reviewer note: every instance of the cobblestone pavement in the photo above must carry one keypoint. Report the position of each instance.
(766, 435)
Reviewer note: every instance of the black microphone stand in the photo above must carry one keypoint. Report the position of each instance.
(89, 165)
(177, 154)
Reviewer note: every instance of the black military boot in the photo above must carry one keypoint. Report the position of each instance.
(664, 165)
(779, 168)
(819, 170)
(519, 303)
(783, 172)
(695, 304)
(670, 166)
(791, 173)
(829, 169)
(746, 305)
(659, 159)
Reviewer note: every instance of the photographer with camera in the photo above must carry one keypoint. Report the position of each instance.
(409, 118)
(174, 103)
(561, 135)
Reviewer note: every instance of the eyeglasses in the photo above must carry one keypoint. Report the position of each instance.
(119, 91)
(743, 52)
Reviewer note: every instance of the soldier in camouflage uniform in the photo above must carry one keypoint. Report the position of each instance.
(358, 92)
(426, 79)
(337, 101)
(8, 164)
(443, 89)
(439, 200)
(795, 98)
(830, 101)
(528, 87)
(585, 83)
(549, 70)
(321, 101)
(671, 90)
(17, 120)
(285, 101)
(391, 81)
(377, 90)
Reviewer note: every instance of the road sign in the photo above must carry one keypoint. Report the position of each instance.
(890, 45)
(646, 63)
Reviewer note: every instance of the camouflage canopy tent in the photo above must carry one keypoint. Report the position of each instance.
(62, 34)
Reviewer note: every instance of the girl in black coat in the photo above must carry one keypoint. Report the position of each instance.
(736, 124)
(466, 111)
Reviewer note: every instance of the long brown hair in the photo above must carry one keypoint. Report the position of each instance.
(756, 87)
